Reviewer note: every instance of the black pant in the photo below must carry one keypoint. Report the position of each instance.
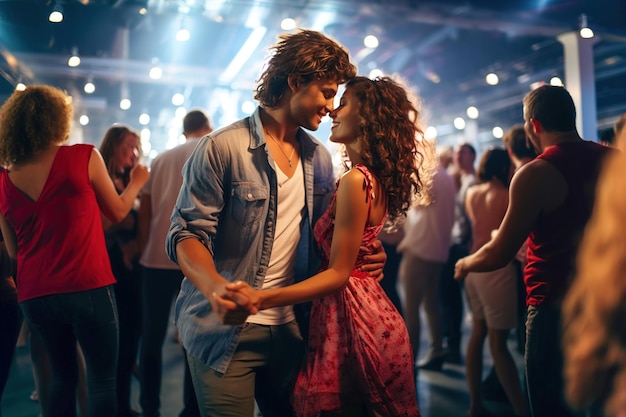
(160, 288)
(10, 324)
(451, 300)
(390, 280)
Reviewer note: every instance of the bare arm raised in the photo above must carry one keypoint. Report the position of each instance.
(115, 206)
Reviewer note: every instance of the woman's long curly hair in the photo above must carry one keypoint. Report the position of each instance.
(32, 120)
(306, 54)
(594, 309)
(392, 141)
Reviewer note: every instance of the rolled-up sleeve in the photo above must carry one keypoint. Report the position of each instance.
(201, 198)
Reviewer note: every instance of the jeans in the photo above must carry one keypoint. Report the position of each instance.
(159, 288)
(544, 363)
(89, 317)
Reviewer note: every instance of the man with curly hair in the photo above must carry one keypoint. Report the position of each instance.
(251, 192)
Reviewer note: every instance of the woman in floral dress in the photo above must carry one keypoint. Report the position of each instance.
(359, 360)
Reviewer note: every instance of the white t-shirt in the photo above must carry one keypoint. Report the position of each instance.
(281, 269)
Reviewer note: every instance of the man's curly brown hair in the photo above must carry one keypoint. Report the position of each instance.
(306, 54)
(32, 120)
(391, 140)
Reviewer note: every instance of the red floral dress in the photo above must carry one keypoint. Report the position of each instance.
(358, 348)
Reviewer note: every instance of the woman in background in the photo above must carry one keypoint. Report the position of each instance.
(492, 295)
(51, 196)
(120, 149)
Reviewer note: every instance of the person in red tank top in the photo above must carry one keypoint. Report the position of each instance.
(551, 199)
(51, 196)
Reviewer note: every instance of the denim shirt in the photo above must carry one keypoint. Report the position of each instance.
(228, 202)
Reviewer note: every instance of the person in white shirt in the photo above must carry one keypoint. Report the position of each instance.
(424, 248)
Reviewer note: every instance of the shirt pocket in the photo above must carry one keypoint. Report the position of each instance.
(249, 202)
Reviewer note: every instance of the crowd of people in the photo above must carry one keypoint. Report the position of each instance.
(274, 263)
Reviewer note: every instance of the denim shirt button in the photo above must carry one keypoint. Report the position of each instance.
(250, 196)
(270, 224)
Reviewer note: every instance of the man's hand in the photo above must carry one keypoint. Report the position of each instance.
(460, 270)
(375, 262)
(241, 290)
(233, 306)
(228, 311)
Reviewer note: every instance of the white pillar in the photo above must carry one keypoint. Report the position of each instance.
(580, 81)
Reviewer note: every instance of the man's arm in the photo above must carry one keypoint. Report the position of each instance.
(194, 222)
(535, 187)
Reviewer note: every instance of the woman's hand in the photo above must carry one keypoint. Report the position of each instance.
(234, 302)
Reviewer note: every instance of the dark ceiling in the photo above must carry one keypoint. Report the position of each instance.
(443, 48)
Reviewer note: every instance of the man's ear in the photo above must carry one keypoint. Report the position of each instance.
(294, 82)
(537, 126)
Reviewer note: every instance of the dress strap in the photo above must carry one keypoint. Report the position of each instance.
(369, 188)
(368, 180)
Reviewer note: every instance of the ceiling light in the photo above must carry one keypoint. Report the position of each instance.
(459, 123)
(178, 99)
(143, 11)
(20, 87)
(556, 81)
(492, 78)
(74, 60)
(84, 120)
(288, 24)
(89, 87)
(125, 104)
(370, 41)
(431, 132)
(182, 35)
(247, 107)
(472, 112)
(144, 119)
(180, 112)
(56, 15)
(375, 73)
(156, 72)
(585, 30)
(497, 132)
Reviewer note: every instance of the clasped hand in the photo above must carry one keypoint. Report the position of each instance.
(234, 302)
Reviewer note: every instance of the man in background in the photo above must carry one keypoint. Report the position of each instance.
(162, 277)
(551, 199)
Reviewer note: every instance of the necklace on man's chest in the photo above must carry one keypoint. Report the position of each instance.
(290, 157)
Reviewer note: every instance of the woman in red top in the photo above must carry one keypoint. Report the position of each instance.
(51, 196)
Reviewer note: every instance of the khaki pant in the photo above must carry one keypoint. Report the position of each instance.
(264, 367)
(419, 281)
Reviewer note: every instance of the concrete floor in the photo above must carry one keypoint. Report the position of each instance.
(440, 394)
